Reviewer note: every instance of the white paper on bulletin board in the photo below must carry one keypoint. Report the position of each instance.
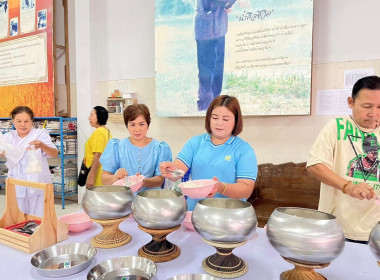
(352, 75)
(333, 102)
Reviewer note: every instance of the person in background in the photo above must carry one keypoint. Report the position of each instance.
(30, 200)
(210, 28)
(136, 154)
(342, 159)
(95, 145)
(219, 153)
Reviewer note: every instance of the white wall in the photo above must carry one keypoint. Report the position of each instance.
(346, 30)
(126, 56)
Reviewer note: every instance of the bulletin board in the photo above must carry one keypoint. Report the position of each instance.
(26, 56)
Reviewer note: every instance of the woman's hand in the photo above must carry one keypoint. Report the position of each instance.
(216, 187)
(121, 173)
(52, 152)
(37, 144)
(90, 182)
(109, 178)
(165, 168)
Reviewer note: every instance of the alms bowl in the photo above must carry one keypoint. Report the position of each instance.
(107, 202)
(305, 235)
(159, 209)
(374, 241)
(77, 221)
(197, 188)
(224, 220)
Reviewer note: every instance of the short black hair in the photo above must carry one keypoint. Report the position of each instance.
(133, 111)
(22, 109)
(369, 82)
(101, 115)
(232, 104)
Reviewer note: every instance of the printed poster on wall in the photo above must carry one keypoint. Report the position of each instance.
(259, 51)
(26, 57)
(4, 18)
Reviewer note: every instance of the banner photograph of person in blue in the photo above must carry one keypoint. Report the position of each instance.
(259, 51)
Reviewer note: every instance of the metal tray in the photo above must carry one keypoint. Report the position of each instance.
(193, 277)
(131, 268)
(63, 260)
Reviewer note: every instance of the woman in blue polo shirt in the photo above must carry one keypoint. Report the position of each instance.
(219, 153)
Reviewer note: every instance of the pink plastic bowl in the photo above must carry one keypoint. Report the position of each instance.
(77, 221)
(187, 221)
(197, 188)
(377, 200)
(137, 179)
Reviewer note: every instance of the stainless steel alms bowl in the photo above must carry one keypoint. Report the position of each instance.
(107, 202)
(193, 277)
(63, 260)
(374, 241)
(159, 209)
(224, 220)
(123, 268)
(305, 235)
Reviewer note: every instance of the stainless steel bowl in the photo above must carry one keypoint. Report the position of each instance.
(159, 209)
(128, 267)
(224, 220)
(305, 235)
(107, 202)
(193, 277)
(63, 260)
(374, 241)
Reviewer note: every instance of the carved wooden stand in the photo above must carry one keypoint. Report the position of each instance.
(159, 249)
(223, 263)
(111, 236)
(303, 271)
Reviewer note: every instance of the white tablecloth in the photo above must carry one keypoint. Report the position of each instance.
(356, 262)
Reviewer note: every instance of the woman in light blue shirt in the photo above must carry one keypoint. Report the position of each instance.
(219, 154)
(136, 153)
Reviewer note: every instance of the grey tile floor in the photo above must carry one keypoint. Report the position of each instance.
(70, 205)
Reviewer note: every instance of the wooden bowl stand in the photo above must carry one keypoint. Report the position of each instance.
(159, 249)
(224, 263)
(111, 236)
(302, 271)
(50, 231)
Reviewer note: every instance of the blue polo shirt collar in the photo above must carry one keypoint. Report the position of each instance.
(228, 142)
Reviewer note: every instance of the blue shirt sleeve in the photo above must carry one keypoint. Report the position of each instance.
(164, 154)
(110, 157)
(246, 165)
(188, 151)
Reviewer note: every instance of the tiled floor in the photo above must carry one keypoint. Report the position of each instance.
(70, 205)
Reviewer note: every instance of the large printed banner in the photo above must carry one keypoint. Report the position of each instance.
(263, 57)
(26, 56)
